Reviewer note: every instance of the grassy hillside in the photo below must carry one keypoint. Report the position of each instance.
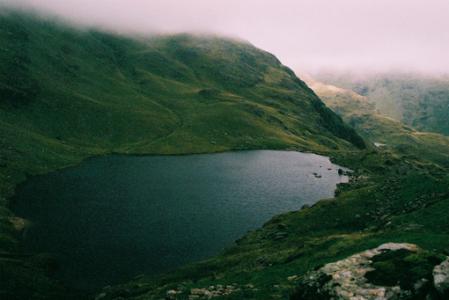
(417, 100)
(378, 128)
(67, 94)
(395, 201)
(398, 193)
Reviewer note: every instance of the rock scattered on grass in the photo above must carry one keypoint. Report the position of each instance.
(347, 279)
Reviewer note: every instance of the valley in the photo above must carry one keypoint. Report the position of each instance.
(397, 194)
(73, 94)
(84, 93)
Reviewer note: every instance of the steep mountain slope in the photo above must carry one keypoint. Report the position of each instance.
(67, 94)
(74, 93)
(417, 100)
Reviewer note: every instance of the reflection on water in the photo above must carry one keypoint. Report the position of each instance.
(114, 217)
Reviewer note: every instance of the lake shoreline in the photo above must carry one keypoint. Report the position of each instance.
(209, 155)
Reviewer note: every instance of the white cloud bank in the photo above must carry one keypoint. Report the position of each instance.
(305, 34)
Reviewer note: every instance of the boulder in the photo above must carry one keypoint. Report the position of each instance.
(346, 279)
(441, 277)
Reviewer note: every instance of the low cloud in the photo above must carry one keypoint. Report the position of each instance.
(306, 35)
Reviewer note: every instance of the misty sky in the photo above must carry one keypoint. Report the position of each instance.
(307, 35)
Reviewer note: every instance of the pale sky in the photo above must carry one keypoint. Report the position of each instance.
(306, 35)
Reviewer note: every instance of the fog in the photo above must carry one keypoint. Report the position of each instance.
(306, 35)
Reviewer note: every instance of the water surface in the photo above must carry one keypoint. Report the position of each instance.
(115, 217)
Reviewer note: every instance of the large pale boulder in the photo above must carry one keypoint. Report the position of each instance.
(346, 279)
(441, 277)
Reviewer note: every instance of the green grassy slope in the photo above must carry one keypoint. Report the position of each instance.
(67, 94)
(374, 126)
(417, 100)
(398, 193)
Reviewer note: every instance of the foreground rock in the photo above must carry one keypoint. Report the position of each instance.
(441, 278)
(213, 291)
(356, 277)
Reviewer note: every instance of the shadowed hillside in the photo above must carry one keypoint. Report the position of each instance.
(67, 94)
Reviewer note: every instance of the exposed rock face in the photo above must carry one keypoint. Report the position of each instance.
(345, 279)
(441, 278)
(213, 291)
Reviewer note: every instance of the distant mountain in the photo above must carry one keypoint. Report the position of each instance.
(379, 129)
(417, 100)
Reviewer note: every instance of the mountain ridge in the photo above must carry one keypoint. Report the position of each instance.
(69, 86)
(68, 94)
(79, 94)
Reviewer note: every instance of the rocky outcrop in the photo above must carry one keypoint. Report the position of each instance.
(213, 291)
(347, 278)
(441, 278)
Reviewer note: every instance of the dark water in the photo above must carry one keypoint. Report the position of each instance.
(115, 217)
